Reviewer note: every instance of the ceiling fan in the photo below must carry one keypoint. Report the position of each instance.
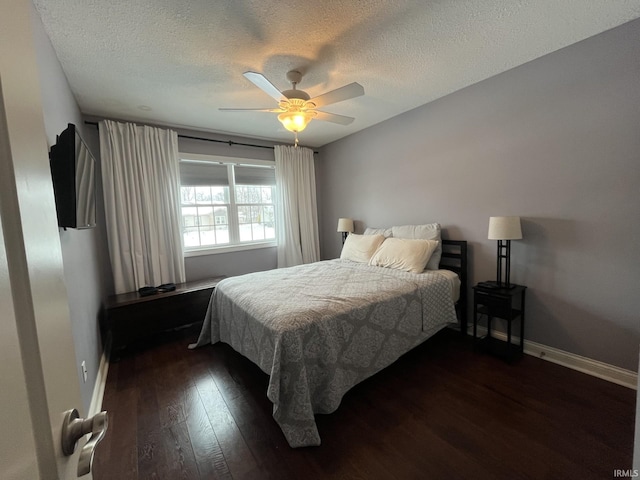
(295, 107)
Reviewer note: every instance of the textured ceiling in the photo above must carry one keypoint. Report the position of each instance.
(175, 62)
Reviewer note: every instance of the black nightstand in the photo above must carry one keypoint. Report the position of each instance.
(504, 303)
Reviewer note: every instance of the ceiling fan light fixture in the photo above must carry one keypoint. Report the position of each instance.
(295, 108)
(295, 121)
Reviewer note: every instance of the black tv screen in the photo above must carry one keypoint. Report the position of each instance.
(73, 170)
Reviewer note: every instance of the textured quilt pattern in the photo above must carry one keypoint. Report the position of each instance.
(319, 329)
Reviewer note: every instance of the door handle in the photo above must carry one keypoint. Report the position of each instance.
(74, 428)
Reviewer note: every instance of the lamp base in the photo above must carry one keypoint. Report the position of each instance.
(493, 285)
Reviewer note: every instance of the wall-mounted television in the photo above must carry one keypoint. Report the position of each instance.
(73, 170)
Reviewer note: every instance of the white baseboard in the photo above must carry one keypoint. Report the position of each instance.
(101, 381)
(610, 373)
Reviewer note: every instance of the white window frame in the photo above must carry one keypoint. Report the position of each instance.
(234, 231)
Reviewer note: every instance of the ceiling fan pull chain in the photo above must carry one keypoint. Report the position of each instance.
(296, 144)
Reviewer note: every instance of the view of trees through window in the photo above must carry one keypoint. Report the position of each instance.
(214, 215)
(256, 212)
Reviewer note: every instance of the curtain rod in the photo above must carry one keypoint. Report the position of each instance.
(228, 142)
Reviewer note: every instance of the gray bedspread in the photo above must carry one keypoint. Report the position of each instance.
(319, 329)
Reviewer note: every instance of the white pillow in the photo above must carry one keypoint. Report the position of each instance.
(386, 232)
(430, 231)
(360, 248)
(404, 254)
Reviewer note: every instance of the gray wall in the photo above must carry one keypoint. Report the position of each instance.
(83, 251)
(555, 141)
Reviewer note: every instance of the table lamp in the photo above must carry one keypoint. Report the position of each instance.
(345, 226)
(504, 229)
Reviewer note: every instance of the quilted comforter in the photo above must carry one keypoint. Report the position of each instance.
(319, 329)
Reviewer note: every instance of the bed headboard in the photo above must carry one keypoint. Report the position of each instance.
(454, 258)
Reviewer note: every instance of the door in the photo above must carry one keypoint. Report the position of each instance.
(37, 359)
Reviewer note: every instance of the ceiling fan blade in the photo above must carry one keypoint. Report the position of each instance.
(251, 109)
(265, 85)
(339, 95)
(334, 118)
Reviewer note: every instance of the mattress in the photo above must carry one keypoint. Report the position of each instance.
(319, 329)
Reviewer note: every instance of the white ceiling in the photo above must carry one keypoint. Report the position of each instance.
(175, 62)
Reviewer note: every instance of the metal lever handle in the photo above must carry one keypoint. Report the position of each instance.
(74, 428)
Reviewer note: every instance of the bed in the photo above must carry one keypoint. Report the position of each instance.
(319, 329)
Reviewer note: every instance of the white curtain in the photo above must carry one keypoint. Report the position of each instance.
(297, 215)
(141, 183)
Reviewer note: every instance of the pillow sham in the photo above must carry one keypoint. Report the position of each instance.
(360, 248)
(410, 255)
(386, 232)
(429, 231)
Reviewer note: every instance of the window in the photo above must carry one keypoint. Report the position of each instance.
(226, 204)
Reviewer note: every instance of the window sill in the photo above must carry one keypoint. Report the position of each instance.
(228, 249)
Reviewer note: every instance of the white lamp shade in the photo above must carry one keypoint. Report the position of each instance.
(345, 225)
(504, 228)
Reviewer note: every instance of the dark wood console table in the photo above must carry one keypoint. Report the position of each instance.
(131, 317)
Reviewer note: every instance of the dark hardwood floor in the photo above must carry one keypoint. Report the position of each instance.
(442, 411)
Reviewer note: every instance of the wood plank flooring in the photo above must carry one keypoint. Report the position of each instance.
(442, 411)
